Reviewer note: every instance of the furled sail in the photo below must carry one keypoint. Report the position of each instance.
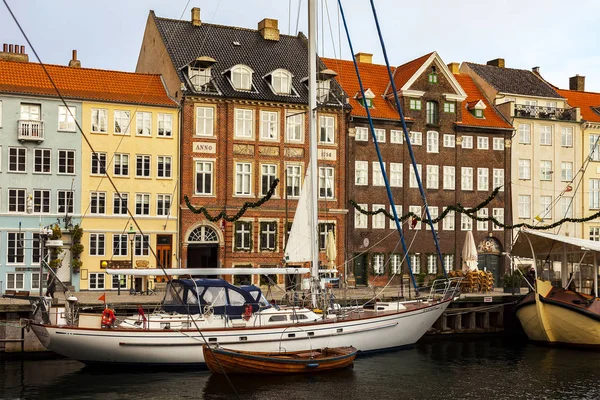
(297, 248)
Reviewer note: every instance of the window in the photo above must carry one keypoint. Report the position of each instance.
(380, 135)
(396, 174)
(362, 134)
(433, 176)
(326, 129)
(524, 206)
(35, 249)
(142, 204)
(120, 203)
(163, 204)
(268, 174)
(466, 223)
(546, 170)
(483, 143)
(594, 148)
(164, 166)
(142, 166)
(431, 264)
(97, 203)
(398, 213)
(433, 213)
(326, 182)
(243, 178)
(498, 214)
(478, 113)
(30, 112)
(378, 266)
(566, 207)
(244, 122)
(378, 219)
(449, 140)
(432, 112)
(361, 173)
(524, 169)
(41, 161)
(595, 233)
(525, 133)
(415, 104)
(483, 225)
(566, 171)
(120, 244)
(121, 164)
(142, 245)
(395, 263)
(417, 211)
(295, 126)
(199, 77)
(360, 219)
(16, 200)
(66, 162)
(281, 81)
(324, 229)
(450, 107)
(432, 78)
(98, 163)
(467, 142)
(204, 121)
(416, 138)
(546, 135)
(292, 181)
(498, 143)
(483, 179)
(545, 204)
(41, 201)
(467, 178)
(243, 235)
(412, 178)
(143, 123)
(566, 136)
(122, 122)
(17, 159)
(594, 194)
(66, 118)
(377, 174)
(396, 136)
(96, 280)
(204, 177)
(448, 262)
(448, 222)
(449, 177)
(99, 120)
(241, 77)
(415, 263)
(119, 280)
(15, 248)
(269, 125)
(323, 89)
(15, 281)
(165, 125)
(267, 235)
(433, 144)
(65, 201)
(97, 244)
(498, 179)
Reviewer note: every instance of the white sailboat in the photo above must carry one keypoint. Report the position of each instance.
(215, 312)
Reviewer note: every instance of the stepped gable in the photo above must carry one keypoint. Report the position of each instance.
(515, 81)
(588, 103)
(83, 83)
(492, 118)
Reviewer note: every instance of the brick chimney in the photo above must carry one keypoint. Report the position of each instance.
(269, 29)
(364, 58)
(577, 83)
(13, 52)
(75, 63)
(453, 67)
(196, 16)
(498, 62)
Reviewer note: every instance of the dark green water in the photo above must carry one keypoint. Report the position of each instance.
(474, 368)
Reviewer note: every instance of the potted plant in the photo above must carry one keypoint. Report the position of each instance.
(512, 282)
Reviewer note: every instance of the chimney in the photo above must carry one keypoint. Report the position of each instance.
(75, 63)
(535, 70)
(498, 62)
(453, 67)
(269, 29)
(364, 58)
(577, 82)
(196, 16)
(13, 52)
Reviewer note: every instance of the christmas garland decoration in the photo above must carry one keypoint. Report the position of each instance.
(239, 214)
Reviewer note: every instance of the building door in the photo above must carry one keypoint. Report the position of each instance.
(490, 262)
(203, 249)
(164, 251)
(360, 269)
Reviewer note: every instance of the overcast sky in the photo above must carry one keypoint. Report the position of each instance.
(558, 36)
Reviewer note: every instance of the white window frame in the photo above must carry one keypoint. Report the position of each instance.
(432, 264)
(165, 125)
(467, 142)
(98, 203)
(449, 140)
(396, 174)
(398, 213)
(483, 179)
(120, 203)
(326, 129)
(294, 126)
(498, 143)
(121, 164)
(17, 199)
(433, 213)
(269, 125)
(167, 167)
(524, 206)
(244, 123)
(66, 155)
(205, 121)
(594, 197)
(15, 253)
(17, 279)
(293, 180)
(122, 123)
(142, 204)
(361, 134)
(524, 169)
(360, 219)
(498, 179)
(566, 207)
(243, 179)
(361, 173)
(466, 181)
(594, 155)
(566, 137)
(524, 132)
(483, 225)
(449, 177)
(566, 171)
(380, 135)
(448, 223)
(326, 183)
(378, 220)
(241, 77)
(41, 201)
(433, 177)
(20, 155)
(281, 80)
(96, 281)
(204, 171)
(416, 138)
(99, 120)
(417, 211)
(546, 170)
(433, 142)
(67, 201)
(97, 163)
(466, 223)
(143, 123)
(377, 174)
(498, 214)
(66, 119)
(378, 264)
(268, 174)
(483, 143)
(415, 262)
(412, 178)
(546, 135)
(146, 166)
(97, 244)
(45, 157)
(396, 136)
(163, 204)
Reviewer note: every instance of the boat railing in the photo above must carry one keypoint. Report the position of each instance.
(444, 289)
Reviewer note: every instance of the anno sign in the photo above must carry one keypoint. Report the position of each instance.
(327, 154)
(204, 147)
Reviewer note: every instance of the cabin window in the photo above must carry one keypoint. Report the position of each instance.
(215, 296)
(278, 318)
(298, 317)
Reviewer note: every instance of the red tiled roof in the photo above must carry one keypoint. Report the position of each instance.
(406, 71)
(492, 118)
(374, 77)
(585, 101)
(83, 83)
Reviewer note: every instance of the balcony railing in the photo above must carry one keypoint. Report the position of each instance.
(527, 111)
(31, 130)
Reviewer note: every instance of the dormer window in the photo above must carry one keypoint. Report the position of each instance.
(433, 78)
(241, 77)
(199, 77)
(324, 84)
(478, 113)
(476, 108)
(281, 81)
(367, 101)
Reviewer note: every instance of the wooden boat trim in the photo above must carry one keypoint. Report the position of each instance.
(580, 310)
(276, 356)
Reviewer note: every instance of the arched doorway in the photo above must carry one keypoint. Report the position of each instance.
(203, 248)
(489, 258)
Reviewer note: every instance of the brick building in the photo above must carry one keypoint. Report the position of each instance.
(244, 100)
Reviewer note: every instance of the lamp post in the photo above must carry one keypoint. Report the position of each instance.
(131, 235)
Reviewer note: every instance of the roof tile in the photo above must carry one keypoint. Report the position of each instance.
(492, 118)
(586, 101)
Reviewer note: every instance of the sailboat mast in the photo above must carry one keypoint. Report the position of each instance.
(312, 108)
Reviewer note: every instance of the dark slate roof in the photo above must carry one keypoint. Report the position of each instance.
(515, 81)
(186, 42)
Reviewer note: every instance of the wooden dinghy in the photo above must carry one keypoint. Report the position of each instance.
(220, 360)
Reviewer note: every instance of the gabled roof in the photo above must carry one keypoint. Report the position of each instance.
(374, 77)
(586, 101)
(83, 83)
(406, 71)
(492, 119)
(514, 81)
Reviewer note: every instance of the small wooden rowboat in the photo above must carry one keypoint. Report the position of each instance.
(220, 360)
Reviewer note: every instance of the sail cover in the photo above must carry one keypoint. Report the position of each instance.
(297, 248)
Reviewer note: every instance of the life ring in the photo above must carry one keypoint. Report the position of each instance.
(108, 318)
(247, 312)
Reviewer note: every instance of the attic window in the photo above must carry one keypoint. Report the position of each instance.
(478, 113)
(241, 77)
(433, 78)
(476, 108)
(368, 101)
(199, 76)
(323, 88)
(281, 81)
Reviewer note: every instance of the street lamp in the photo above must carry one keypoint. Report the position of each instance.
(131, 235)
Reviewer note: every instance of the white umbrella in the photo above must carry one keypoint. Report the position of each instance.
(469, 253)
(330, 250)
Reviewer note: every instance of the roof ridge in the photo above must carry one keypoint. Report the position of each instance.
(358, 62)
(77, 69)
(578, 91)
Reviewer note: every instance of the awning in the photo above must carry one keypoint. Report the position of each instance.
(545, 243)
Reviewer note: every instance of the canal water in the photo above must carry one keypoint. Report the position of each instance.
(467, 368)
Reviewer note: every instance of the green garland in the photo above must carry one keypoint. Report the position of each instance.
(239, 214)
